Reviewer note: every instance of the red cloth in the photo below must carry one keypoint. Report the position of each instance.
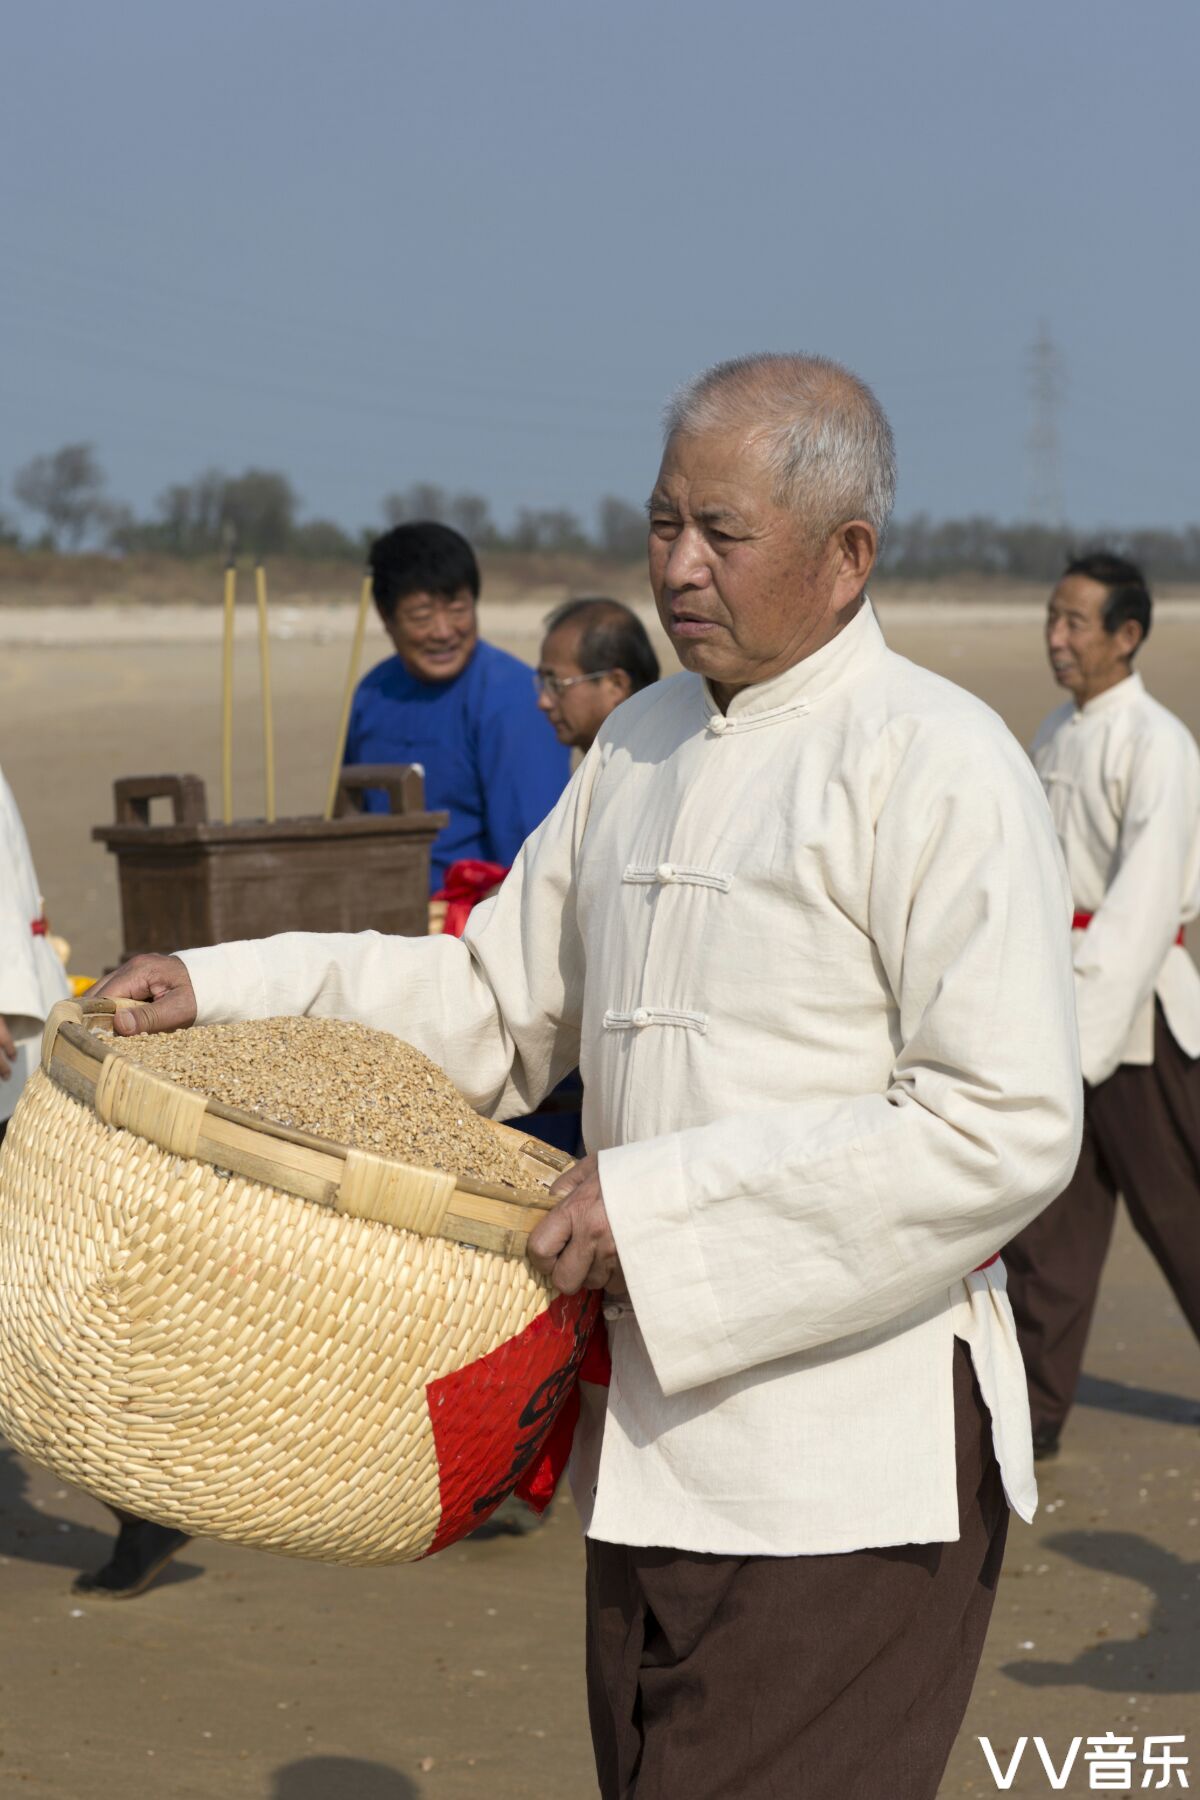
(536, 1487)
(467, 883)
(1082, 920)
(39, 927)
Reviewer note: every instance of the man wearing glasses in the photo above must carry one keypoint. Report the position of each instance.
(462, 709)
(594, 655)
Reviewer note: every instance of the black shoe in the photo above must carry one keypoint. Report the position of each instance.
(512, 1518)
(1045, 1443)
(141, 1552)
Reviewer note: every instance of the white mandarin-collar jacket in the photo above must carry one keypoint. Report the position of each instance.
(1123, 778)
(813, 958)
(31, 976)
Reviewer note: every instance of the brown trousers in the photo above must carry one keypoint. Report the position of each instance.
(1141, 1138)
(796, 1677)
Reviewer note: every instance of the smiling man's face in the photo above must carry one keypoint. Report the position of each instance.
(742, 589)
(435, 634)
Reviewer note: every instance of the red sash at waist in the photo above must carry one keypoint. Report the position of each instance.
(1082, 920)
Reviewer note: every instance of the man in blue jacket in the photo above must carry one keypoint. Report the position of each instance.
(466, 711)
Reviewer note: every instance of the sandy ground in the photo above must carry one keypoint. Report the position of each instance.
(242, 1675)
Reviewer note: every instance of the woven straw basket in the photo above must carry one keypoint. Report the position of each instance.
(251, 1333)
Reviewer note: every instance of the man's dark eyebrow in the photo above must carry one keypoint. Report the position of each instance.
(658, 503)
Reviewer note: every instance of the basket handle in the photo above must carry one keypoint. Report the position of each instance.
(104, 1006)
(75, 1012)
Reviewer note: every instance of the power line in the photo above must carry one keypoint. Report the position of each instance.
(1047, 384)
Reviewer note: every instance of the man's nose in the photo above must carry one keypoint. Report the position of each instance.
(687, 564)
(1056, 634)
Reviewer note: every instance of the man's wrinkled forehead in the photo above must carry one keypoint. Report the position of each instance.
(713, 475)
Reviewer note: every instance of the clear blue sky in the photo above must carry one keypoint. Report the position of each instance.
(478, 243)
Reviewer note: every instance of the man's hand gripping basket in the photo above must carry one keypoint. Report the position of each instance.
(251, 1333)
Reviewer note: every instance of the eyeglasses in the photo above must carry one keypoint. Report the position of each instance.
(557, 685)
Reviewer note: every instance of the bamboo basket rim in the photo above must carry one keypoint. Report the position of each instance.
(186, 1122)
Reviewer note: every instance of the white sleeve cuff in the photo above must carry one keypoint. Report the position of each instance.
(227, 980)
(645, 1197)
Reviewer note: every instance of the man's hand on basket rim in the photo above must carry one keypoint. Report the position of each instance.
(162, 986)
(8, 1049)
(574, 1244)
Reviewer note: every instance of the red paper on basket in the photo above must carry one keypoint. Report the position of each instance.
(467, 883)
(536, 1486)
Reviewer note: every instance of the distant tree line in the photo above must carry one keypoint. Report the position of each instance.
(258, 513)
(922, 549)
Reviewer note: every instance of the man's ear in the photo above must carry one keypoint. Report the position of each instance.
(855, 547)
(1129, 636)
(620, 680)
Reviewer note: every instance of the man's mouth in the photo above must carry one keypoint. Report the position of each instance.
(690, 624)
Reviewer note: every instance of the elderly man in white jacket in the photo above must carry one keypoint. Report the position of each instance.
(801, 920)
(1123, 779)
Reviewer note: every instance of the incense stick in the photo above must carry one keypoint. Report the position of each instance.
(227, 695)
(339, 748)
(264, 664)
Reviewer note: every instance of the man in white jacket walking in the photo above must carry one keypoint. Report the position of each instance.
(1123, 779)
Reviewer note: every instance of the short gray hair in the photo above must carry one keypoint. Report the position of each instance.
(827, 437)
